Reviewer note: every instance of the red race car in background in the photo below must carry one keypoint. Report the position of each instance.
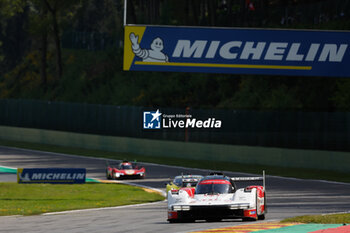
(125, 170)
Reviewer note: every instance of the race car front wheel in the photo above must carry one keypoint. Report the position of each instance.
(261, 216)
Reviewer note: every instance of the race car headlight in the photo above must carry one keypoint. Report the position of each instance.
(140, 173)
(181, 207)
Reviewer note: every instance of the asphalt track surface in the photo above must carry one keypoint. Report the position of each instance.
(286, 197)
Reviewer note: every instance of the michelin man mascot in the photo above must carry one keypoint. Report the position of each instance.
(154, 54)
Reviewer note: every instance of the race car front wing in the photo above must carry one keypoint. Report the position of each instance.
(183, 212)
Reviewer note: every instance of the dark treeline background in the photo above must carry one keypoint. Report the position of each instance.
(71, 50)
(240, 13)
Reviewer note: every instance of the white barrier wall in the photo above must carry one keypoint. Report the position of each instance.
(314, 159)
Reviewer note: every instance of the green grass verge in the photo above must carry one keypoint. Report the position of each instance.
(214, 165)
(30, 199)
(324, 219)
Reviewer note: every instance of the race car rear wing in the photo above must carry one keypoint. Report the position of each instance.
(190, 179)
(116, 164)
(251, 179)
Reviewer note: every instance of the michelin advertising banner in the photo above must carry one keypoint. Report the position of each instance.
(237, 51)
(51, 175)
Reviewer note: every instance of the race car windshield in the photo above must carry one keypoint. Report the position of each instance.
(186, 181)
(189, 184)
(126, 166)
(178, 181)
(213, 188)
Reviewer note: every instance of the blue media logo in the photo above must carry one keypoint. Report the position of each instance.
(152, 120)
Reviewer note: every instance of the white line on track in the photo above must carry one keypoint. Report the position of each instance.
(11, 216)
(346, 212)
(144, 186)
(318, 196)
(301, 203)
(103, 208)
(132, 184)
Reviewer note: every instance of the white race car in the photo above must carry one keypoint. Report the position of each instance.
(215, 198)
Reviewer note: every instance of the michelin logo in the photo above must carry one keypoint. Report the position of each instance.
(273, 51)
(51, 175)
(25, 177)
(151, 120)
(237, 51)
(154, 54)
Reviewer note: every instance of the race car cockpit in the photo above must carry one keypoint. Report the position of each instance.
(215, 185)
